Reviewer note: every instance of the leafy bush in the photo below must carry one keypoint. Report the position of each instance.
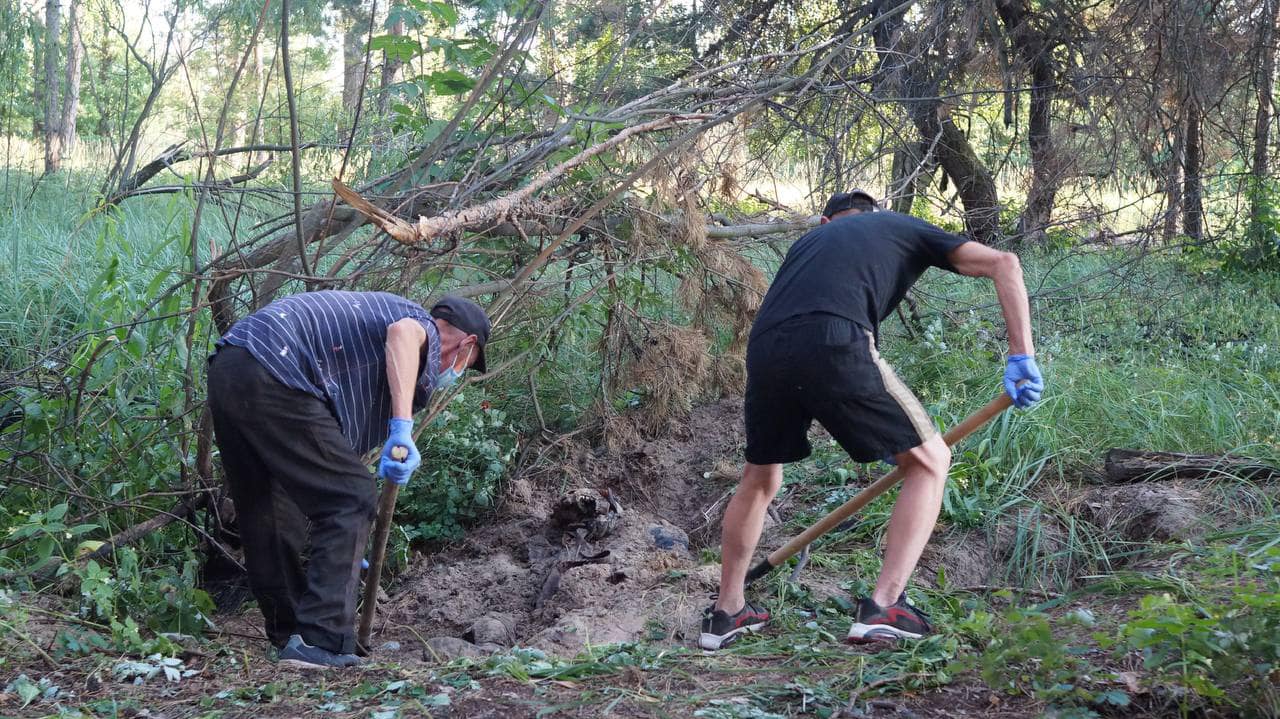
(1257, 245)
(465, 454)
(128, 595)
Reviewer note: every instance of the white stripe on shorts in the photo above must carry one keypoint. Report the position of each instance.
(901, 394)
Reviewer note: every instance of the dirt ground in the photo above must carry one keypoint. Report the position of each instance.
(591, 547)
(563, 566)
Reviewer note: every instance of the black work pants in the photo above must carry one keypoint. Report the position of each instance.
(292, 474)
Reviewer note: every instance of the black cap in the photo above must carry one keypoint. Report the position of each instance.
(842, 201)
(468, 317)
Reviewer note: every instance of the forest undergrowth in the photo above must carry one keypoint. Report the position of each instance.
(1143, 348)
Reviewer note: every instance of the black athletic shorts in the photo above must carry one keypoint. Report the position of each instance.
(825, 367)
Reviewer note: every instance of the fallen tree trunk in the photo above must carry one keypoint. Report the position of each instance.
(1124, 466)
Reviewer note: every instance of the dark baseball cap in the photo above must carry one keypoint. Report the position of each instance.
(842, 201)
(468, 317)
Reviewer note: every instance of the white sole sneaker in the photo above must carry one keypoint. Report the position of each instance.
(304, 666)
(712, 642)
(861, 633)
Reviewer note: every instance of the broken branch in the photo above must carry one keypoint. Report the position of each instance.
(428, 228)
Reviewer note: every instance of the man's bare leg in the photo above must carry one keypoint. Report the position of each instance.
(740, 530)
(914, 515)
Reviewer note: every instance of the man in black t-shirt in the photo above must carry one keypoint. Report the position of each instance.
(812, 355)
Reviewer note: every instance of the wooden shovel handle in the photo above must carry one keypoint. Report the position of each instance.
(381, 529)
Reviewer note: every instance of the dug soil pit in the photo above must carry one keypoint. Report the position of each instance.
(596, 551)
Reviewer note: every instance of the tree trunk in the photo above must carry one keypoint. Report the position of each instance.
(1046, 175)
(98, 90)
(1266, 64)
(37, 77)
(974, 183)
(1124, 466)
(71, 95)
(1192, 190)
(1173, 185)
(260, 90)
(912, 164)
(390, 70)
(900, 71)
(353, 69)
(52, 110)
(1035, 50)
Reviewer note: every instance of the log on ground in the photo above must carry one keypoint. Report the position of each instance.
(1124, 466)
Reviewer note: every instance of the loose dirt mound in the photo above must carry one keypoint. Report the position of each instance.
(561, 567)
(1147, 511)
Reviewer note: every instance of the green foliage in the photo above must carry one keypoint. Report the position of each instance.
(1255, 245)
(976, 489)
(1221, 648)
(130, 596)
(465, 455)
(42, 534)
(1026, 656)
(108, 407)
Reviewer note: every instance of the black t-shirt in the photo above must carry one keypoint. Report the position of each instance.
(858, 267)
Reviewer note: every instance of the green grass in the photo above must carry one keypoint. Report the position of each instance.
(55, 254)
(1160, 357)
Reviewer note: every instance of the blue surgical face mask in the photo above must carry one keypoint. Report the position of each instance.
(451, 374)
(447, 377)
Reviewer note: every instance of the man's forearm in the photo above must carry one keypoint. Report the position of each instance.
(1012, 294)
(403, 351)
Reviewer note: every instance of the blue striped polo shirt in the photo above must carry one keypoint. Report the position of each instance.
(332, 345)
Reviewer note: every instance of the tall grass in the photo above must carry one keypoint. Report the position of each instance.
(55, 255)
(1154, 356)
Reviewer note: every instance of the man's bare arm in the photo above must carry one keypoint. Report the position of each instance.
(404, 348)
(1003, 268)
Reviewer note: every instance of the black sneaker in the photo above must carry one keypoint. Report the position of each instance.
(900, 620)
(297, 653)
(720, 629)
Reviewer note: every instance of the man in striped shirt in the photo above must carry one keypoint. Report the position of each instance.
(299, 390)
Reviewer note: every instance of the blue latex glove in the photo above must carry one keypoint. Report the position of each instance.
(400, 435)
(1022, 380)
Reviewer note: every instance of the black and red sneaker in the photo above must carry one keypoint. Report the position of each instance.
(720, 629)
(898, 621)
